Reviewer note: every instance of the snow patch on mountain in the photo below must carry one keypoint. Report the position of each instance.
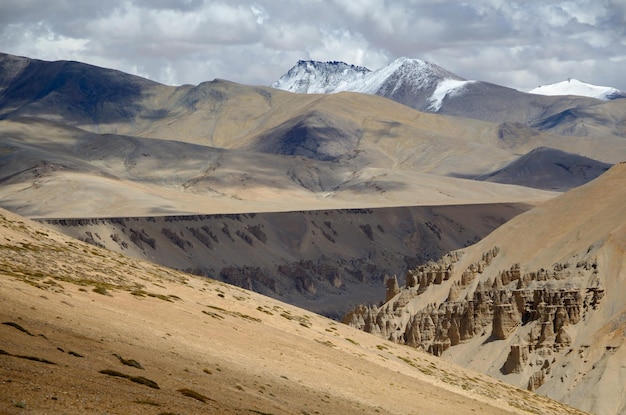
(576, 87)
(447, 87)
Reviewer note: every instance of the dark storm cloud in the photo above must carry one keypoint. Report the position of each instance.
(516, 43)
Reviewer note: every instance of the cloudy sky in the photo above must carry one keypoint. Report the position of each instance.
(521, 44)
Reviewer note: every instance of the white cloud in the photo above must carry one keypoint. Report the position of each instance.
(289, 37)
(354, 47)
(515, 43)
(40, 42)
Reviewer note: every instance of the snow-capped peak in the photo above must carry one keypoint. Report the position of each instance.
(414, 82)
(576, 87)
(415, 74)
(313, 77)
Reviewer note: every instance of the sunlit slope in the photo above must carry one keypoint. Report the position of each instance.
(52, 170)
(148, 338)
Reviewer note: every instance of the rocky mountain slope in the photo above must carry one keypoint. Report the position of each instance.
(86, 330)
(428, 87)
(324, 261)
(537, 303)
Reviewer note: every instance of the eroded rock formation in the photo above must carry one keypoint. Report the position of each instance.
(546, 302)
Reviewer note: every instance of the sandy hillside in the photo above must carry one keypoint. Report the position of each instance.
(538, 303)
(52, 170)
(88, 330)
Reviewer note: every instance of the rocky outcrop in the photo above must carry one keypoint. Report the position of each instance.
(505, 319)
(536, 380)
(432, 272)
(517, 359)
(392, 288)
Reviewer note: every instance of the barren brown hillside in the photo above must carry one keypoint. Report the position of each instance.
(86, 330)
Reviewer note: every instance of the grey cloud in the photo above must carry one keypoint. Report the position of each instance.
(515, 43)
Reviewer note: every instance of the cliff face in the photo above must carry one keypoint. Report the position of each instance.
(324, 261)
(538, 303)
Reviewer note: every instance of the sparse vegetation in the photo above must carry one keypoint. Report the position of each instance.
(231, 313)
(100, 290)
(326, 343)
(114, 373)
(19, 404)
(33, 358)
(195, 395)
(129, 362)
(17, 326)
(303, 320)
(263, 310)
(144, 381)
(214, 315)
(147, 402)
(137, 379)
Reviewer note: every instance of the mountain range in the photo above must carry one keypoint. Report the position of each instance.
(323, 200)
(427, 87)
(315, 77)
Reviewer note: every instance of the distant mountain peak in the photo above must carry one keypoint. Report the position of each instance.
(315, 77)
(573, 86)
(405, 64)
(407, 77)
(338, 64)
